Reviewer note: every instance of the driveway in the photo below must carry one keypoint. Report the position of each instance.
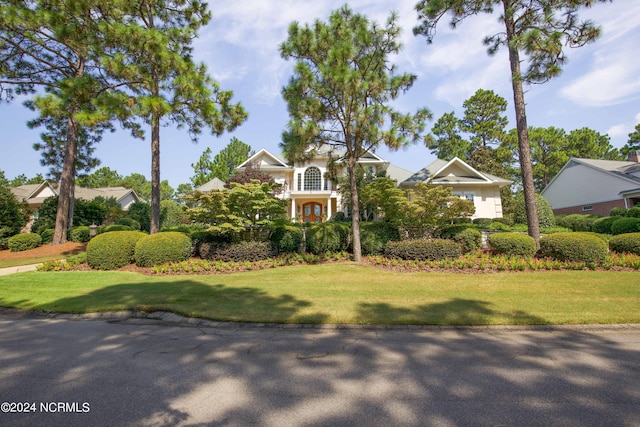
(142, 372)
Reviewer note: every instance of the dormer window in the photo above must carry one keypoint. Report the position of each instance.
(312, 179)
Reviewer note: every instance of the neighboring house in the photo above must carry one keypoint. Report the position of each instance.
(480, 188)
(214, 184)
(311, 196)
(35, 194)
(594, 186)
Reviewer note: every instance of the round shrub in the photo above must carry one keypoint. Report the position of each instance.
(633, 212)
(24, 242)
(512, 244)
(603, 225)
(625, 225)
(47, 235)
(375, 235)
(286, 239)
(129, 222)
(113, 227)
(577, 222)
(620, 212)
(422, 249)
(483, 222)
(328, 237)
(545, 214)
(205, 243)
(576, 247)
(158, 248)
(469, 238)
(499, 226)
(242, 251)
(625, 243)
(79, 233)
(112, 250)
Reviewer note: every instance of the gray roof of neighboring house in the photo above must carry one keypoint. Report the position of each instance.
(214, 184)
(627, 170)
(27, 191)
(397, 173)
(429, 172)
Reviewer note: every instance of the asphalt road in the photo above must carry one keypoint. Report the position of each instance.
(141, 373)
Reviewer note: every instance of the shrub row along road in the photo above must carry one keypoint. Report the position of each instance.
(137, 372)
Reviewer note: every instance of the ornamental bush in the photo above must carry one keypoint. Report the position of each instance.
(129, 222)
(242, 251)
(328, 237)
(286, 239)
(625, 225)
(375, 235)
(422, 249)
(158, 248)
(483, 222)
(469, 238)
(625, 243)
(574, 247)
(115, 249)
(577, 222)
(517, 244)
(79, 233)
(603, 225)
(545, 213)
(633, 212)
(24, 242)
(113, 227)
(47, 235)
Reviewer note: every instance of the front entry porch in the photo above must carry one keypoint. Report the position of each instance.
(312, 210)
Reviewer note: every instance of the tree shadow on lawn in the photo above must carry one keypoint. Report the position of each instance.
(456, 311)
(189, 298)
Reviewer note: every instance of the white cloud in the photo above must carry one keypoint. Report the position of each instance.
(620, 130)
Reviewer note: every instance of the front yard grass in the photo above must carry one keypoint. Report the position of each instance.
(341, 293)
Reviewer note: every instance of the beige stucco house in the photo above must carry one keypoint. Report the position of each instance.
(311, 196)
(591, 186)
(481, 188)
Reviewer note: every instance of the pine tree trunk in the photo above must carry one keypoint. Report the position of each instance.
(155, 174)
(355, 210)
(67, 184)
(524, 149)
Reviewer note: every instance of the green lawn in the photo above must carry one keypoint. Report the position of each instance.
(341, 293)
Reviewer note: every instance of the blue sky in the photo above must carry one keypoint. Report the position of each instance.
(599, 87)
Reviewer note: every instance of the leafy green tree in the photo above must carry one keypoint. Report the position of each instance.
(249, 174)
(58, 51)
(103, 177)
(23, 180)
(223, 164)
(388, 201)
(342, 89)
(254, 204)
(12, 214)
(484, 118)
(141, 212)
(448, 143)
(432, 205)
(533, 29)
(591, 144)
(153, 57)
(171, 214)
(634, 142)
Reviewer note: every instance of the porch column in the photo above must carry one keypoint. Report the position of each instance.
(328, 208)
(293, 208)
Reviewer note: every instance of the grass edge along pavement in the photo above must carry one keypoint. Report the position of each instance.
(340, 293)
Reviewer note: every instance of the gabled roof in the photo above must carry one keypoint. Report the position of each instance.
(266, 161)
(625, 170)
(214, 184)
(398, 174)
(32, 193)
(117, 193)
(454, 171)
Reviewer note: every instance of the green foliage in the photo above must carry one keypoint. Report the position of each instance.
(87, 213)
(286, 239)
(12, 213)
(618, 212)
(384, 199)
(129, 222)
(112, 250)
(46, 215)
(432, 205)
(577, 222)
(603, 225)
(576, 247)
(483, 222)
(79, 233)
(516, 244)
(242, 251)
(171, 214)
(625, 243)
(47, 235)
(468, 237)
(113, 227)
(422, 249)
(625, 225)
(375, 236)
(328, 237)
(158, 248)
(24, 242)
(633, 212)
(141, 212)
(223, 164)
(545, 213)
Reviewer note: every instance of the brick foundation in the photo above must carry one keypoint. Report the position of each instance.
(603, 208)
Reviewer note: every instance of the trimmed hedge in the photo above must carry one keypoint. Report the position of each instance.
(328, 237)
(545, 213)
(115, 249)
(575, 247)
(158, 248)
(422, 249)
(47, 235)
(243, 251)
(620, 212)
(625, 243)
(114, 227)
(625, 225)
(483, 222)
(603, 225)
(129, 222)
(24, 242)
(79, 233)
(375, 235)
(469, 238)
(286, 239)
(512, 244)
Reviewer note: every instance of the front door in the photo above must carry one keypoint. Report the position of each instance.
(311, 212)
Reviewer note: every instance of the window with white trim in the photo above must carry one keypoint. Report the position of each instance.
(312, 179)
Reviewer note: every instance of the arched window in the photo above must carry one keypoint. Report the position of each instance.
(312, 179)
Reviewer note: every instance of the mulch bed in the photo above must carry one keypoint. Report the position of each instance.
(55, 252)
